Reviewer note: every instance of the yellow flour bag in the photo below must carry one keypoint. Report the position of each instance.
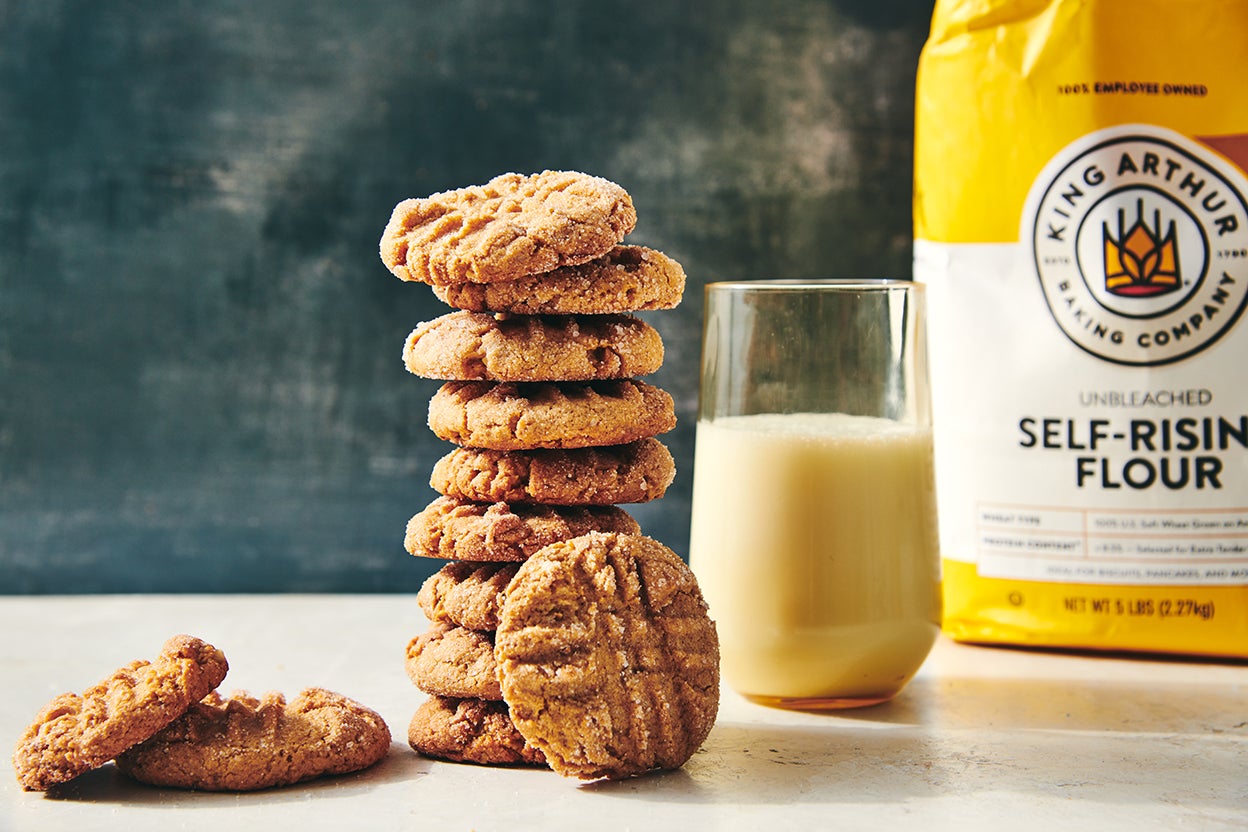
(1081, 226)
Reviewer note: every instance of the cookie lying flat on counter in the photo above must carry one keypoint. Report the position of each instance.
(510, 227)
(625, 279)
(76, 733)
(469, 346)
(245, 743)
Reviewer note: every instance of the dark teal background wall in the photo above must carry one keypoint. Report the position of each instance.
(201, 386)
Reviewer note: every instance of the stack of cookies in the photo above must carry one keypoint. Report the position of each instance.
(547, 584)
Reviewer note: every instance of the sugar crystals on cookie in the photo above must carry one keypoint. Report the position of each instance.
(76, 733)
(164, 724)
(476, 346)
(470, 731)
(635, 472)
(607, 656)
(244, 743)
(518, 416)
(553, 428)
(625, 279)
(510, 227)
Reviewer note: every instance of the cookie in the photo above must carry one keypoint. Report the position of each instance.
(625, 279)
(469, 731)
(480, 346)
(76, 733)
(454, 661)
(516, 416)
(243, 743)
(454, 529)
(634, 473)
(466, 594)
(607, 657)
(510, 227)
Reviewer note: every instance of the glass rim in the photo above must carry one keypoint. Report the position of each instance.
(791, 284)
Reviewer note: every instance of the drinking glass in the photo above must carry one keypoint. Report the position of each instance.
(814, 530)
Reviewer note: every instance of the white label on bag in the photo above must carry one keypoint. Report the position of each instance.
(1102, 357)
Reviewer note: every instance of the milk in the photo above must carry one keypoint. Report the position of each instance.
(814, 541)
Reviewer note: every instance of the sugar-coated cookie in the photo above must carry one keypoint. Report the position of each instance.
(245, 743)
(466, 594)
(453, 661)
(607, 656)
(507, 416)
(471, 346)
(469, 731)
(625, 279)
(454, 529)
(633, 473)
(76, 733)
(510, 227)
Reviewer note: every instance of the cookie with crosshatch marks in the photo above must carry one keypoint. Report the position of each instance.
(244, 743)
(625, 279)
(466, 594)
(510, 227)
(76, 733)
(607, 656)
(636, 472)
(517, 416)
(469, 731)
(481, 346)
(454, 529)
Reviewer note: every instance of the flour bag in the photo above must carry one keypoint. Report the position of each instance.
(1081, 226)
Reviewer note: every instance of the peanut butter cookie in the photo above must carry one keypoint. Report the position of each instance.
(516, 416)
(245, 743)
(454, 529)
(74, 734)
(634, 473)
(626, 279)
(466, 594)
(446, 660)
(469, 731)
(480, 346)
(607, 657)
(510, 227)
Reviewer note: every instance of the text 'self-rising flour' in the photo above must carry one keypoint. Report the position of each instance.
(1082, 227)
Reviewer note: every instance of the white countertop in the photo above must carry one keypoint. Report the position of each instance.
(984, 738)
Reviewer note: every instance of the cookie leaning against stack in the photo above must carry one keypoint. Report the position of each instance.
(553, 427)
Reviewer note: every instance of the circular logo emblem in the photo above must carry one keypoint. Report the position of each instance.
(1140, 245)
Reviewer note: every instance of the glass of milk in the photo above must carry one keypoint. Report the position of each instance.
(814, 533)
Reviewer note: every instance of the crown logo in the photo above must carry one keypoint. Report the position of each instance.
(1141, 261)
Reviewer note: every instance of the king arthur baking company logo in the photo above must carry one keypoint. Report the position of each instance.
(1141, 261)
(1140, 239)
